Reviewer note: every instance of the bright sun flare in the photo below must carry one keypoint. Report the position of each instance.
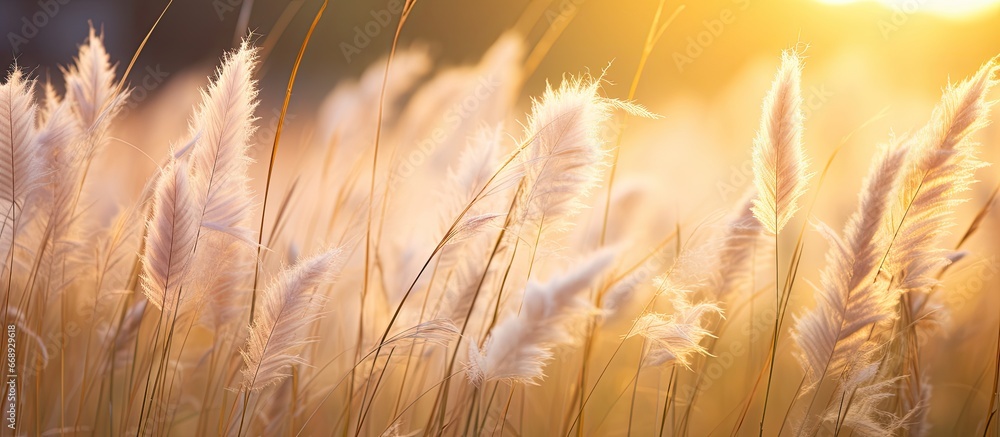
(943, 7)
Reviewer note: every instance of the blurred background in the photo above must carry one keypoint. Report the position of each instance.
(873, 69)
(917, 43)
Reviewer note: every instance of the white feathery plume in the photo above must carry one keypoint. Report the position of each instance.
(849, 298)
(563, 152)
(675, 338)
(93, 101)
(90, 85)
(20, 163)
(61, 153)
(20, 167)
(171, 234)
(223, 126)
(471, 226)
(778, 163)
(942, 169)
(521, 345)
(287, 305)
(943, 166)
(60, 156)
(221, 130)
(52, 101)
(856, 404)
(438, 331)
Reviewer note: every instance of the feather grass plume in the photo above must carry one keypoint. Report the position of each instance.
(564, 151)
(62, 160)
(287, 305)
(858, 403)
(20, 167)
(90, 85)
(59, 141)
(221, 130)
(438, 332)
(520, 346)
(223, 126)
(941, 170)
(778, 162)
(171, 233)
(677, 337)
(849, 299)
(20, 164)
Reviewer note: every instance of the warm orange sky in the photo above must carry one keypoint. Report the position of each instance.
(920, 48)
(943, 7)
(917, 47)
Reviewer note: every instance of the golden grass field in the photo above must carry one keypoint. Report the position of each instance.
(652, 218)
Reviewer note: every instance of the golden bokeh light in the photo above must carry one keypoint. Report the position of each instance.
(955, 8)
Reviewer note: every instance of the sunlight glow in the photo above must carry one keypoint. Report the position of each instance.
(957, 8)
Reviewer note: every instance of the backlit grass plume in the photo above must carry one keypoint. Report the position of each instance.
(223, 127)
(20, 169)
(287, 305)
(676, 337)
(564, 153)
(940, 171)
(778, 161)
(171, 234)
(521, 345)
(849, 297)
